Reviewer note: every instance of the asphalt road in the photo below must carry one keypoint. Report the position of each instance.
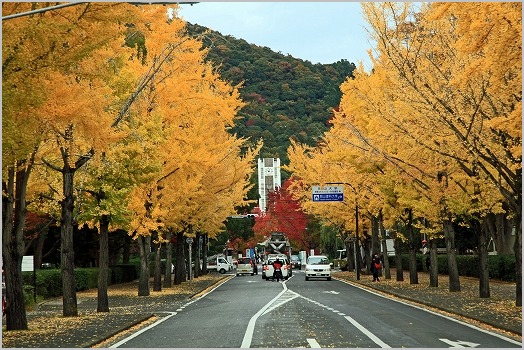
(248, 311)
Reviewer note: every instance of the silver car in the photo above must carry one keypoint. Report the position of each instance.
(318, 266)
(245, 266)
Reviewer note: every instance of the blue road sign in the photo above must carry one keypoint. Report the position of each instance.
(327, 193)
(328, 197)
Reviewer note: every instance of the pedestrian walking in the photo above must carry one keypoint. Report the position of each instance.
(428, 263)
(376, 265)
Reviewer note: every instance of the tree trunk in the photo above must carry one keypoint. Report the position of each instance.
(144, 246)
(168, 282)
(387, 272)
(103, 265)
(413, 244)
(180, 266)
(502, 230)
(518, 255)
(67, 253)
(13, 219)
(126, 254)
(433, 269)
(367, 255)
(350, 254)
(358, 260)
(483, 235)
(39, 246)
(198, 257)
(375, 238)
(157, 279)
(449, 234)
(204, 254)
(398, 258)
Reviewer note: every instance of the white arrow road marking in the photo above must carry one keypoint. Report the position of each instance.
(330, 292)
(459, 343)
(368, 333)
(313, 343)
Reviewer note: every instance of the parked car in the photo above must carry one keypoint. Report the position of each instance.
(318, 266)
(245, 266)
(267, 267)
(295, 262)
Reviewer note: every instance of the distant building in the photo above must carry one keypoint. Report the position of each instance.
(268, 179)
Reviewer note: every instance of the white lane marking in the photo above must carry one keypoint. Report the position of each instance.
(248, 336)
(313, 343)
(459, 343)
(123, 341)
(355, 323)
(368, 333)
(435, 313)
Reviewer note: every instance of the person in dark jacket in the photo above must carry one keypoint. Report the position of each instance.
(376, 265)
(277, 269)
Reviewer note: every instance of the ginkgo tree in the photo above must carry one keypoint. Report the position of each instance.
(52, 86)
(468, 115)
(199, 159)
(432, 132)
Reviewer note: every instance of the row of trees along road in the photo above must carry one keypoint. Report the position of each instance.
(108, 111)
(432, 135)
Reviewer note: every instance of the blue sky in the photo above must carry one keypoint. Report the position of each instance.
(320, 32)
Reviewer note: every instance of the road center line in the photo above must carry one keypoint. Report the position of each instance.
(248, 336)
(368, 333)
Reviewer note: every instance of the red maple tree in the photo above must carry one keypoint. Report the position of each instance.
(283, 214)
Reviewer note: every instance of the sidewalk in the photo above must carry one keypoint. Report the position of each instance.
(48, 329)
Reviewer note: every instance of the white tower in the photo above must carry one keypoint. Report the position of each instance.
(268, 179)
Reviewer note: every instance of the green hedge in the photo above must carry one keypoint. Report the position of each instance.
(501, 267)
(49, 281)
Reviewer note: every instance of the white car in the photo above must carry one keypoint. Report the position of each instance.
(318, 266)
(267, 268)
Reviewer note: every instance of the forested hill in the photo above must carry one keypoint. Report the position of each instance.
(286, 96)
